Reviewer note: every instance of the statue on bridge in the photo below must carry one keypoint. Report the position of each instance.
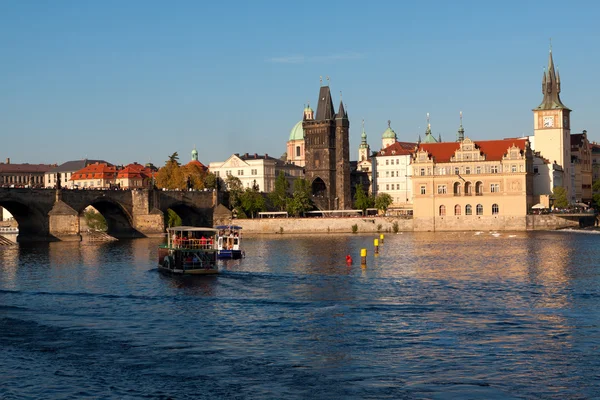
(58, 183)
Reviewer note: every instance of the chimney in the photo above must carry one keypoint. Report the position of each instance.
(266, 155)
(7, 160)
(255, 155)
(246, 155)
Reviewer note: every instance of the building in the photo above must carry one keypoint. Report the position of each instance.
(194, 162)
(552, 129)
(255, 169)
(581, 165)
(134, 176)
(23, 175)
(65, 171)
(472, 185)
(327, 154)
(295, 144)
(95, 176)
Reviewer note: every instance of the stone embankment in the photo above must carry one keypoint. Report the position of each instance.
(386, 224)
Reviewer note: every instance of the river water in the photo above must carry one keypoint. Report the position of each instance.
(434, 316)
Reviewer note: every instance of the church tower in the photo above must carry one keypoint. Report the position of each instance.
(327, 154)
(363, 149)
(551, 126)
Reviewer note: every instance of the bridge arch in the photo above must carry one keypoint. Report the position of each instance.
(33, 221)
(119, 221)
(190, 215)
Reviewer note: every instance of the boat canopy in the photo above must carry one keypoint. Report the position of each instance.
(235, 227)
(190, 229)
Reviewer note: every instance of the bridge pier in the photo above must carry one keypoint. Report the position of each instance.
(64, 222)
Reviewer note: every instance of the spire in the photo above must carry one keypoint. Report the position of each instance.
(194, 154)
(551, 87)
(439, 137)
(325, 105)
(428, 130)
(363, 137)
(341, 112)
(461, 130)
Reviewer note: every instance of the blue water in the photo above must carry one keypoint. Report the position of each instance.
(434, 316)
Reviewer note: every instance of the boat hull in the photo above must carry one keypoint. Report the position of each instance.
(203, 271)
(229, 254)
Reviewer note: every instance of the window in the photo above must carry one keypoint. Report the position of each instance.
(422, 189)
(441, 189)
(240, 172)
(387, 162)
(397, 161)
(468, 210)
(494, 169)
(495, 188)
(495, 209)
(513, 168)
(297, 151)
(477, 170)
(456, 171)
(442, 171)
(387, 174)
(442, 211)
(387, 186)
(378, 174)
(253, 172)
(216, 173)
(227, 173)
(457, 209)
(479, 209)
(467, 170)
(422, 172)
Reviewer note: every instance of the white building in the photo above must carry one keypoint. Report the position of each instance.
(255, 168)
(392, 173)
(65, 171)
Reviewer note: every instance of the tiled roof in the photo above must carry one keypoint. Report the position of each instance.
(25, 168)
(134, 171)
(95, 171)
(198, 164)
(398, 149)
(494, 150)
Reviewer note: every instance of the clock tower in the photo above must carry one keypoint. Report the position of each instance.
(552, 127)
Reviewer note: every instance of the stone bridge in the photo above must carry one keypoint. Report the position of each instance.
(49, 214)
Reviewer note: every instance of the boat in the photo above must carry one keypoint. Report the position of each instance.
(189, 251)
(229, 242)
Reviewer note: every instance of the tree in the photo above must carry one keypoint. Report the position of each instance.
(173, 219)
(196, 175)
(361, 200)
(596, 194)
(279, 197)
(174, 158)
(235, 188)
(94, 220)
(560, 197)
(210, 181)
(300, 201)
(383, 201)
(171, 176)
(252, 201)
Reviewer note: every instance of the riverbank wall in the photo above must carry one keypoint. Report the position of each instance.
(387, 224)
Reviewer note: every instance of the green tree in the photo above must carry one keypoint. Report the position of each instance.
(383, 201)
(596, 194)
(279, 197)
(301, 199)
(173, 219)
(362, 201)
(560, 197)
(235, 188)
(210, 181)
(252, 201)
(171, 176)
(174, 158)
(94, 220)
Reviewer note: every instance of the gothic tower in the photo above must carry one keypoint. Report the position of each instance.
(327, 154)
(551, 125)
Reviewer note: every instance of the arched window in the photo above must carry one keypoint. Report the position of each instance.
(457, 209)
(457, 188)
(468, 188)
(479, 209)
(297, 151)
(442, 211)
(495, 209)
(468, 210)
(319, 188)
(479, 188)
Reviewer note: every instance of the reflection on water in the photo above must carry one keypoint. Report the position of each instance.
(434, 315)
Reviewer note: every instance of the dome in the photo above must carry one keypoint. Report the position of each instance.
(297, 132)
(389, 134)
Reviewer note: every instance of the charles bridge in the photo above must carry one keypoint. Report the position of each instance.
(50, 214)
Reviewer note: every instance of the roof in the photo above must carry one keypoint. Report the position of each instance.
(190, 229)
(228, 227)
(551, 88)
(134, 170)
(297, 132)
(398, 149)
(494, 150)
(76, 165)
(25, 168)
(325, 109)
(95, 171)
(577, 139)
(198, 164)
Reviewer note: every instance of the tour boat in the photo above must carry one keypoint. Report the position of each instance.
(189, 251)
(229, 241)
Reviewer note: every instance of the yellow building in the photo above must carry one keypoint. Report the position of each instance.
(471, 185)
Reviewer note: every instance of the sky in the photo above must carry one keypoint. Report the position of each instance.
(138, 80)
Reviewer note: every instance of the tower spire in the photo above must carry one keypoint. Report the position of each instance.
(551, 86)
(461, 130)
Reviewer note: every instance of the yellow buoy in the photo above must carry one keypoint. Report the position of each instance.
(381, 238)
(363, 257)
(376, 243)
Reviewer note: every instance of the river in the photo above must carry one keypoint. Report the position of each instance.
(433, 316)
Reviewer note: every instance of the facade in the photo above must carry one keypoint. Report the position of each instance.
(95, 176)
(472, 185)
(581, 163)
(327, 154)
(595, 155)
(251, 169)
(134, 176)
(65, 171)
(295, 144)
(392, 173)
(552, 128)
(23, 175)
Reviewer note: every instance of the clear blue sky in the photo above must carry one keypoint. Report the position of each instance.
(137, 80)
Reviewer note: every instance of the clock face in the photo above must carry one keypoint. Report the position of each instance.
(548, 122)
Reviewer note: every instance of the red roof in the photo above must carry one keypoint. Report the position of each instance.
(494, 150)
(398, 149)
(198, 164)
(95, 171)
(134, 170)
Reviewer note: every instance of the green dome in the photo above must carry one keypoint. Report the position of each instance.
(297, 132)
(389, 134)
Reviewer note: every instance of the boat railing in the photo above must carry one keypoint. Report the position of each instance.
(202, 244)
